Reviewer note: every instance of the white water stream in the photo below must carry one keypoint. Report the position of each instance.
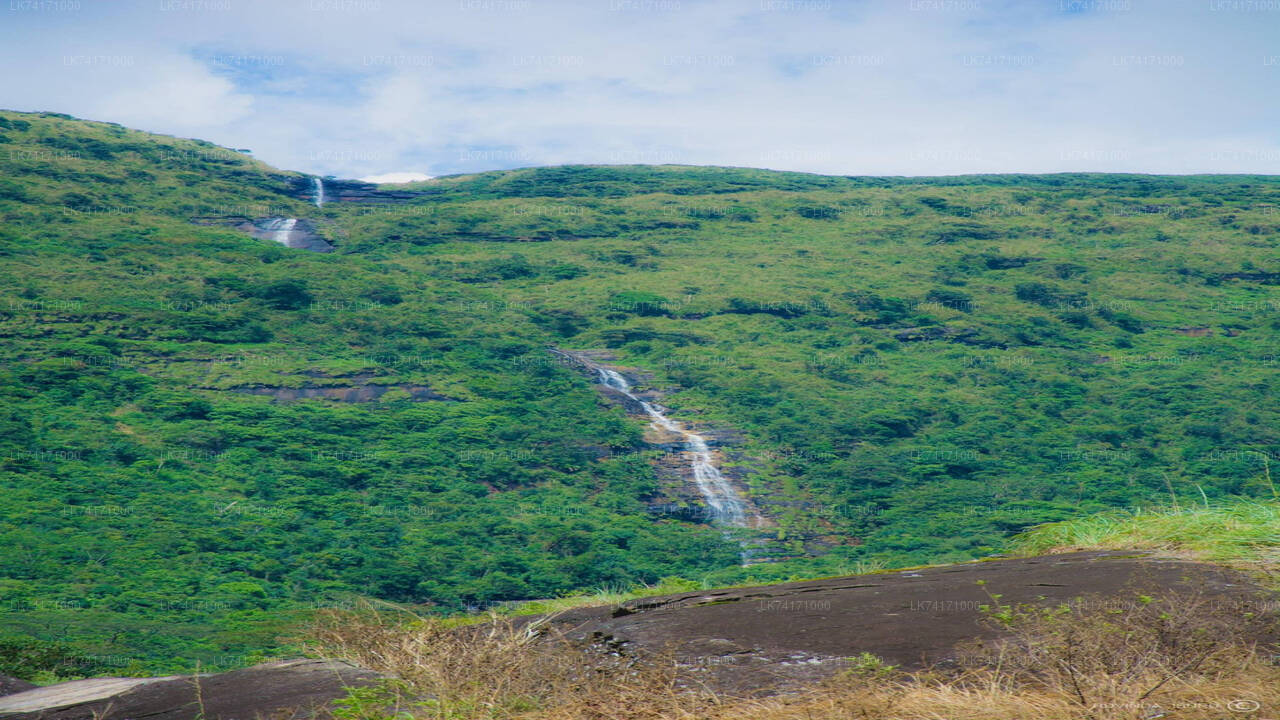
(280, 229)
(318, 194)
(727, 507)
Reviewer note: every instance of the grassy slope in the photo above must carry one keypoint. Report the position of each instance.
(1237, 533)
(780, 304)
(152, 518)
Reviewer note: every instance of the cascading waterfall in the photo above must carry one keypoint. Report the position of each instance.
(727, 508)
(318, 195)
(281, 228)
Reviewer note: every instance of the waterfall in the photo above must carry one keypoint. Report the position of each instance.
(281, 229)
(318, 185)
(727, 508)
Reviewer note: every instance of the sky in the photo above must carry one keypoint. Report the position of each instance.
(403, 89)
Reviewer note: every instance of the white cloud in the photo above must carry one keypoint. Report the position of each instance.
(880, 87)
(177, 95)
(396, 177)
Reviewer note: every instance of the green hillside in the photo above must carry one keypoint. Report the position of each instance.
(918, 368)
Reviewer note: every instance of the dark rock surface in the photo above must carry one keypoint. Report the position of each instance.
(281, 691)
(11, 685)
(761, 638)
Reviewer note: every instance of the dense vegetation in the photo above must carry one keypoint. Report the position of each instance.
(918, 369)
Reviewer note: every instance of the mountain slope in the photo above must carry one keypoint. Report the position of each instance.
(901, 370)
(156, 514)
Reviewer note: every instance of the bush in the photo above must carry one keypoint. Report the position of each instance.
(173, 405)
(818, 212)
(29, 659)
(286, 295)
(953, 299)
(10, 190)
(1048, 295)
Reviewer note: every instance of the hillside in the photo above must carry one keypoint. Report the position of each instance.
(208, 435)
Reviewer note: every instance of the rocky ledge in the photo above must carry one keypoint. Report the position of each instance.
(766, 638)
(289, 690)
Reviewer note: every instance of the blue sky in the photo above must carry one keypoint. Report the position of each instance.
(900, 87)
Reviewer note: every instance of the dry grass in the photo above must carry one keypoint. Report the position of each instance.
(504, 669)
(985, 697)
(1184, 656)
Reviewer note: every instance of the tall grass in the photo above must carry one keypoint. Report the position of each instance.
(1241, 531)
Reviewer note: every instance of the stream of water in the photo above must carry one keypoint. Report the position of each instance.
(280, 229)
(726, 506)
(318, 195)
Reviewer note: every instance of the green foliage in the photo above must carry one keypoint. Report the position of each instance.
(26, 658)
(287, 294)
(918, 369)
(866, 666)
(1235, 531)
(386, 700)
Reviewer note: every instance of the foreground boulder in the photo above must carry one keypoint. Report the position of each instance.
(746, 640)
(11, 685)
(281, 691)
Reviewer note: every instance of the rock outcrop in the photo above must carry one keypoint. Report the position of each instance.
(12, 685)
(288, 690)
(296, 233)
(763, 638)
(299, 234)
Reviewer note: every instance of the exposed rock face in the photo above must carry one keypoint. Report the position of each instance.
(299, 234)
(11, 685)
(762, 638)
(74, 693)
(583, 361)
(282, 691)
